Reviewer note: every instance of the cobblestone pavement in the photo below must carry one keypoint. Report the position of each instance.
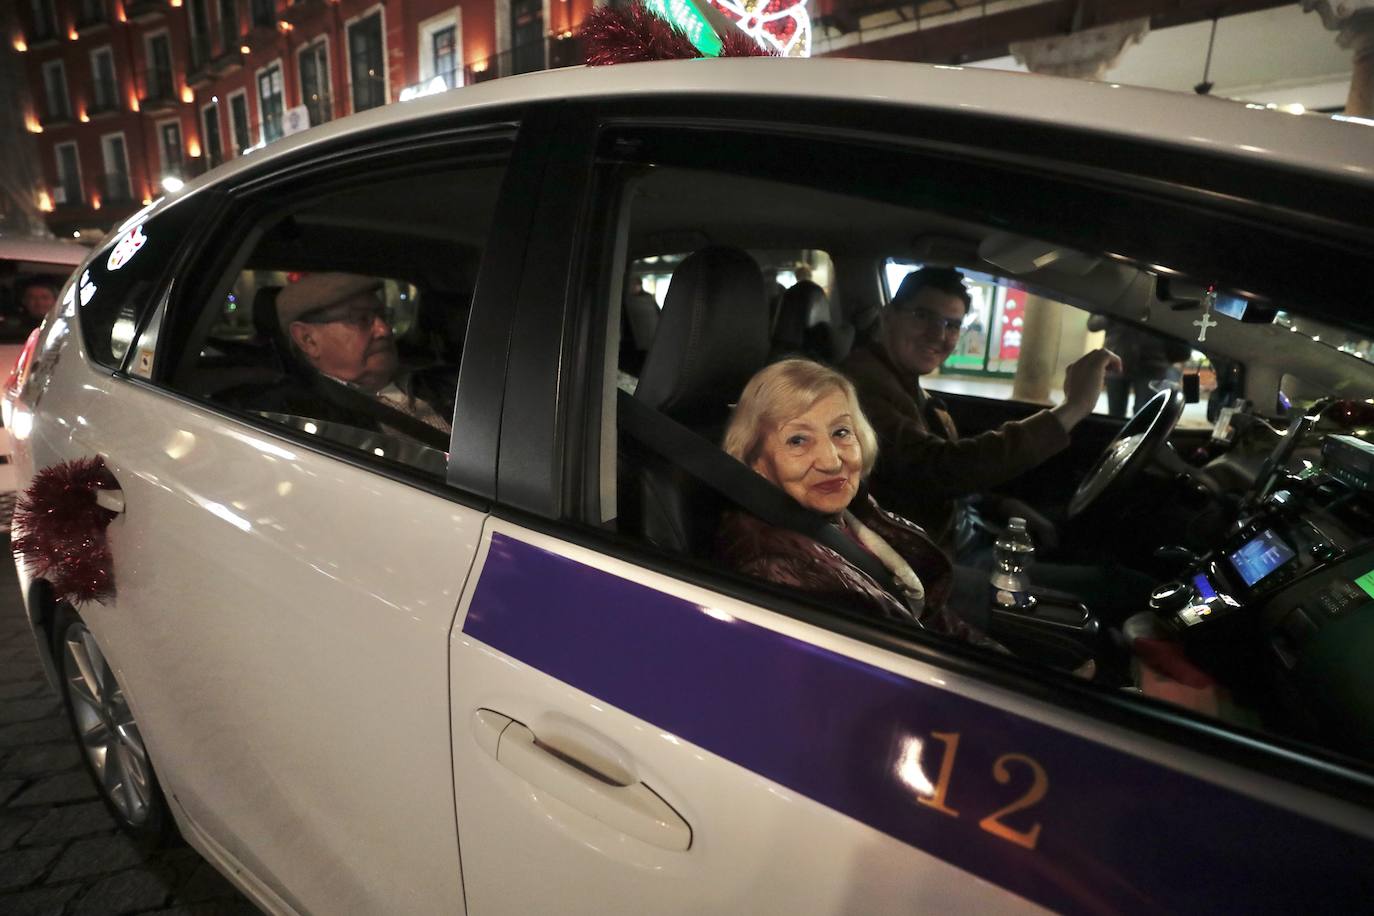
(60, 853)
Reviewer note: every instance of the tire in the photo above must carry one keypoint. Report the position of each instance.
(112, 747)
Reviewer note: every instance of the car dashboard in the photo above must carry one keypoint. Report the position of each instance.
(1281, 611)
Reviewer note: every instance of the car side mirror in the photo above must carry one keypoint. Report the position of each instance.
(1192, 389)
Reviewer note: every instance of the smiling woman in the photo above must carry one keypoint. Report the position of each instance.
(799, 425)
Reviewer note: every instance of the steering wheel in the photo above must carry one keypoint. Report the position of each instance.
(1132, 449)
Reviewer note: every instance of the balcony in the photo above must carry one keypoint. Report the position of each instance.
(229, 60)
(199, 47)
(104, 98)
(144, 10)
(42, 33)
(68, 195)
(117, 190)
(159, 91)
(263, 14)
(91, 14)
(58, 114)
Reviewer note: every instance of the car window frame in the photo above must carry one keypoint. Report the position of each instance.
(555, 493)
(471, 471)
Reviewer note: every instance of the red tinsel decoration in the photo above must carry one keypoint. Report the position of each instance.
(625, 35)
(737, 43)
(60, 530)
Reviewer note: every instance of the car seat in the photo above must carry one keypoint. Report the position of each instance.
(805, 326)
(712, 336)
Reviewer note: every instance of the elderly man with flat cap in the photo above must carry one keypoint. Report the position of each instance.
(338, 325)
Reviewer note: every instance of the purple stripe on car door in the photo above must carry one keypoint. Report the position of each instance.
(1116, 832)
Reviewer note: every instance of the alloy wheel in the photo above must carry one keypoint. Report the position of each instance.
(109, 736)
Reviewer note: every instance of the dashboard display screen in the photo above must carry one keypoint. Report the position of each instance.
(1263, 554)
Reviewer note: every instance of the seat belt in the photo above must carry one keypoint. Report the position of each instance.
(710, 465)
(351, 399)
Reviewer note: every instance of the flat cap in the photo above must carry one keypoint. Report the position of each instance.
(317, 291)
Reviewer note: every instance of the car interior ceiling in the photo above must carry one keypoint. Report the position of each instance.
(679, 210)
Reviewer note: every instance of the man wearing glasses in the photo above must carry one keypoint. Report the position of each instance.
(924, 468)
(338, 324)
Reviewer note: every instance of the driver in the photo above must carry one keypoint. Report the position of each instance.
(924, 467)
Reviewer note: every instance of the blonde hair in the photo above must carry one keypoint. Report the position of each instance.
(788, 389)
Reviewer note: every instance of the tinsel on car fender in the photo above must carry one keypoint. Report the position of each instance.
(60, 529)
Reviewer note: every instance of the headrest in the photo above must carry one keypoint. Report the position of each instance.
(803, 304)
(712, 335)
(265, 312)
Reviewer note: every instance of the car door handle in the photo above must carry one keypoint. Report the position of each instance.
(633, 809)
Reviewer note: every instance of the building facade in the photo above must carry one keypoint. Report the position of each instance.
(126, 95)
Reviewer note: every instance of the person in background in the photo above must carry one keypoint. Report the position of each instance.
(37, 299)
(799, 425)
(1146, 358)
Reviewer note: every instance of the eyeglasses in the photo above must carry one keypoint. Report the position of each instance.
(358, 317)
(949, 327)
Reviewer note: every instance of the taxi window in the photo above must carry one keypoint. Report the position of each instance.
(120, 283)
(341, 312)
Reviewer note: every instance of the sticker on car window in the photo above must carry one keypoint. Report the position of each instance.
(126, 248)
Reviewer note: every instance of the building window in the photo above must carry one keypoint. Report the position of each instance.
(55, 91)
(68, 190)
(44, 21)
(104, 89)
(444, 49)
(315, 84)
(367, 62)
(198, 25)
(159, 75)
(214, 146)
(270, 102)
(264, 13)
(228, 26)
(116, 160)
(238, 120)
(91, 12)
(527, 35)
(169, 143)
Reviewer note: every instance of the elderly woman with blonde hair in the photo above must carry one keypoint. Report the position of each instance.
(798, 424)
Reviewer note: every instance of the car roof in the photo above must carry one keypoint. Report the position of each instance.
(42, 251)
(1318, 145)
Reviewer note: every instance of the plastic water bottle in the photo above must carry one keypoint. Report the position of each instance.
(1011, 556)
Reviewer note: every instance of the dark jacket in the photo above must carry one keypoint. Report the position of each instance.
(785, 557)
(922, 471)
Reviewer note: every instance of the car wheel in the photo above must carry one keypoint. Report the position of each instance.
(111, 743)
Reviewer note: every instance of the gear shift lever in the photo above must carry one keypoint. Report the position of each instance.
(1176, 552)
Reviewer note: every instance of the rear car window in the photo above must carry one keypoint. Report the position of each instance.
(119, 284)
(414, 238)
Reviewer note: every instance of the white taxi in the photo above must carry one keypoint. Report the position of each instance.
(482, 658)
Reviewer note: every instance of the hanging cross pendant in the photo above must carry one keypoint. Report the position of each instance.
(1209, 299)
(1203, 324)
